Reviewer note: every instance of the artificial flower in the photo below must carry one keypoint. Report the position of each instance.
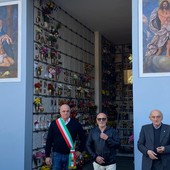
(37, 85)
(50, 87)
(37, 101)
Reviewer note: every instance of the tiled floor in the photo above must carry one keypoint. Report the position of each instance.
(123, 163)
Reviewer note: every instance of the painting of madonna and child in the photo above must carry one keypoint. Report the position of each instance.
(156, 37)
(8, 41)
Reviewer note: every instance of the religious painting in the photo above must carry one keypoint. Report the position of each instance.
(154, 38)
(10, 63)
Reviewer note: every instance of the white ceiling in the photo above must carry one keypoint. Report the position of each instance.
(113, 18)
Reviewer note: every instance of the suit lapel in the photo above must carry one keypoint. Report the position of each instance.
(151, 133)
(163, 133)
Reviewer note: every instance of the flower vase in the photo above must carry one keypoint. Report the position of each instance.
(42, 57)
(36, 108)
(41, 108)
(38, 72)
(37, 90)
(59, 92)
(36, 125)
(52, 60)
(46, 24)
(49, 92)
(37, 36)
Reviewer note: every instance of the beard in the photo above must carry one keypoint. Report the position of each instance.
(165, 7)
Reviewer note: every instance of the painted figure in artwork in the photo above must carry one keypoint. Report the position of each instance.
(6, 53)
(160, 26)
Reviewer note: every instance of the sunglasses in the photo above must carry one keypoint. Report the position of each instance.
(101, 119)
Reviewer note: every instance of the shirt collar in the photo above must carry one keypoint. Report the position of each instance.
(68, 120)
(158, 126)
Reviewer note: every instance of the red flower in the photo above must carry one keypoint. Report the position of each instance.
(50, 87)
(37, 85)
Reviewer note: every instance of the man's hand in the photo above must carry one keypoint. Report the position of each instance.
(103, 136)
(160, 149)
(48, 161)
(152, 154)
(100, 160)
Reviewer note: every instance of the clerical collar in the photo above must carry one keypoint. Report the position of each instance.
(67, 121)
(158, 126)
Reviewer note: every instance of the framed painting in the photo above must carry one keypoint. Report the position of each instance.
(10, 41)
(154, 38)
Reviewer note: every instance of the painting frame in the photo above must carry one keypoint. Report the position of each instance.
(10, 36)
(151, 63)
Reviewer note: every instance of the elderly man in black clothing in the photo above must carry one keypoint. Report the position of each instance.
(154, 143)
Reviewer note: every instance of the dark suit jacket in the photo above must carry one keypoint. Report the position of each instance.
(146, 142)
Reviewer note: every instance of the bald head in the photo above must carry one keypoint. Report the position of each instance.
(65, 112)
(157, 111)
(156, 117)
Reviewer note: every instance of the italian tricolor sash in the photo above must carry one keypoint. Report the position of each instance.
(68, 139)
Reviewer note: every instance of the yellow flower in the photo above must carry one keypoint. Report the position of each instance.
(37, 101)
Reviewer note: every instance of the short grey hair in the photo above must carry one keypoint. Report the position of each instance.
(157, 111)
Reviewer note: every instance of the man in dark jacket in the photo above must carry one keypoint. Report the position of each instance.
(154, 143)
(57, 143)
(101, 144)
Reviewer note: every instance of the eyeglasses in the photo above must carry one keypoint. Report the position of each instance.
(101, 119)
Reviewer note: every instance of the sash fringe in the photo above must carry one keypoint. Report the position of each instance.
(68, 139)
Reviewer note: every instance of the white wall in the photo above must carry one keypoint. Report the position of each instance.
(148, 92)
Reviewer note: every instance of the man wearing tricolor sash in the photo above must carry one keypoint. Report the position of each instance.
(60, 144)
